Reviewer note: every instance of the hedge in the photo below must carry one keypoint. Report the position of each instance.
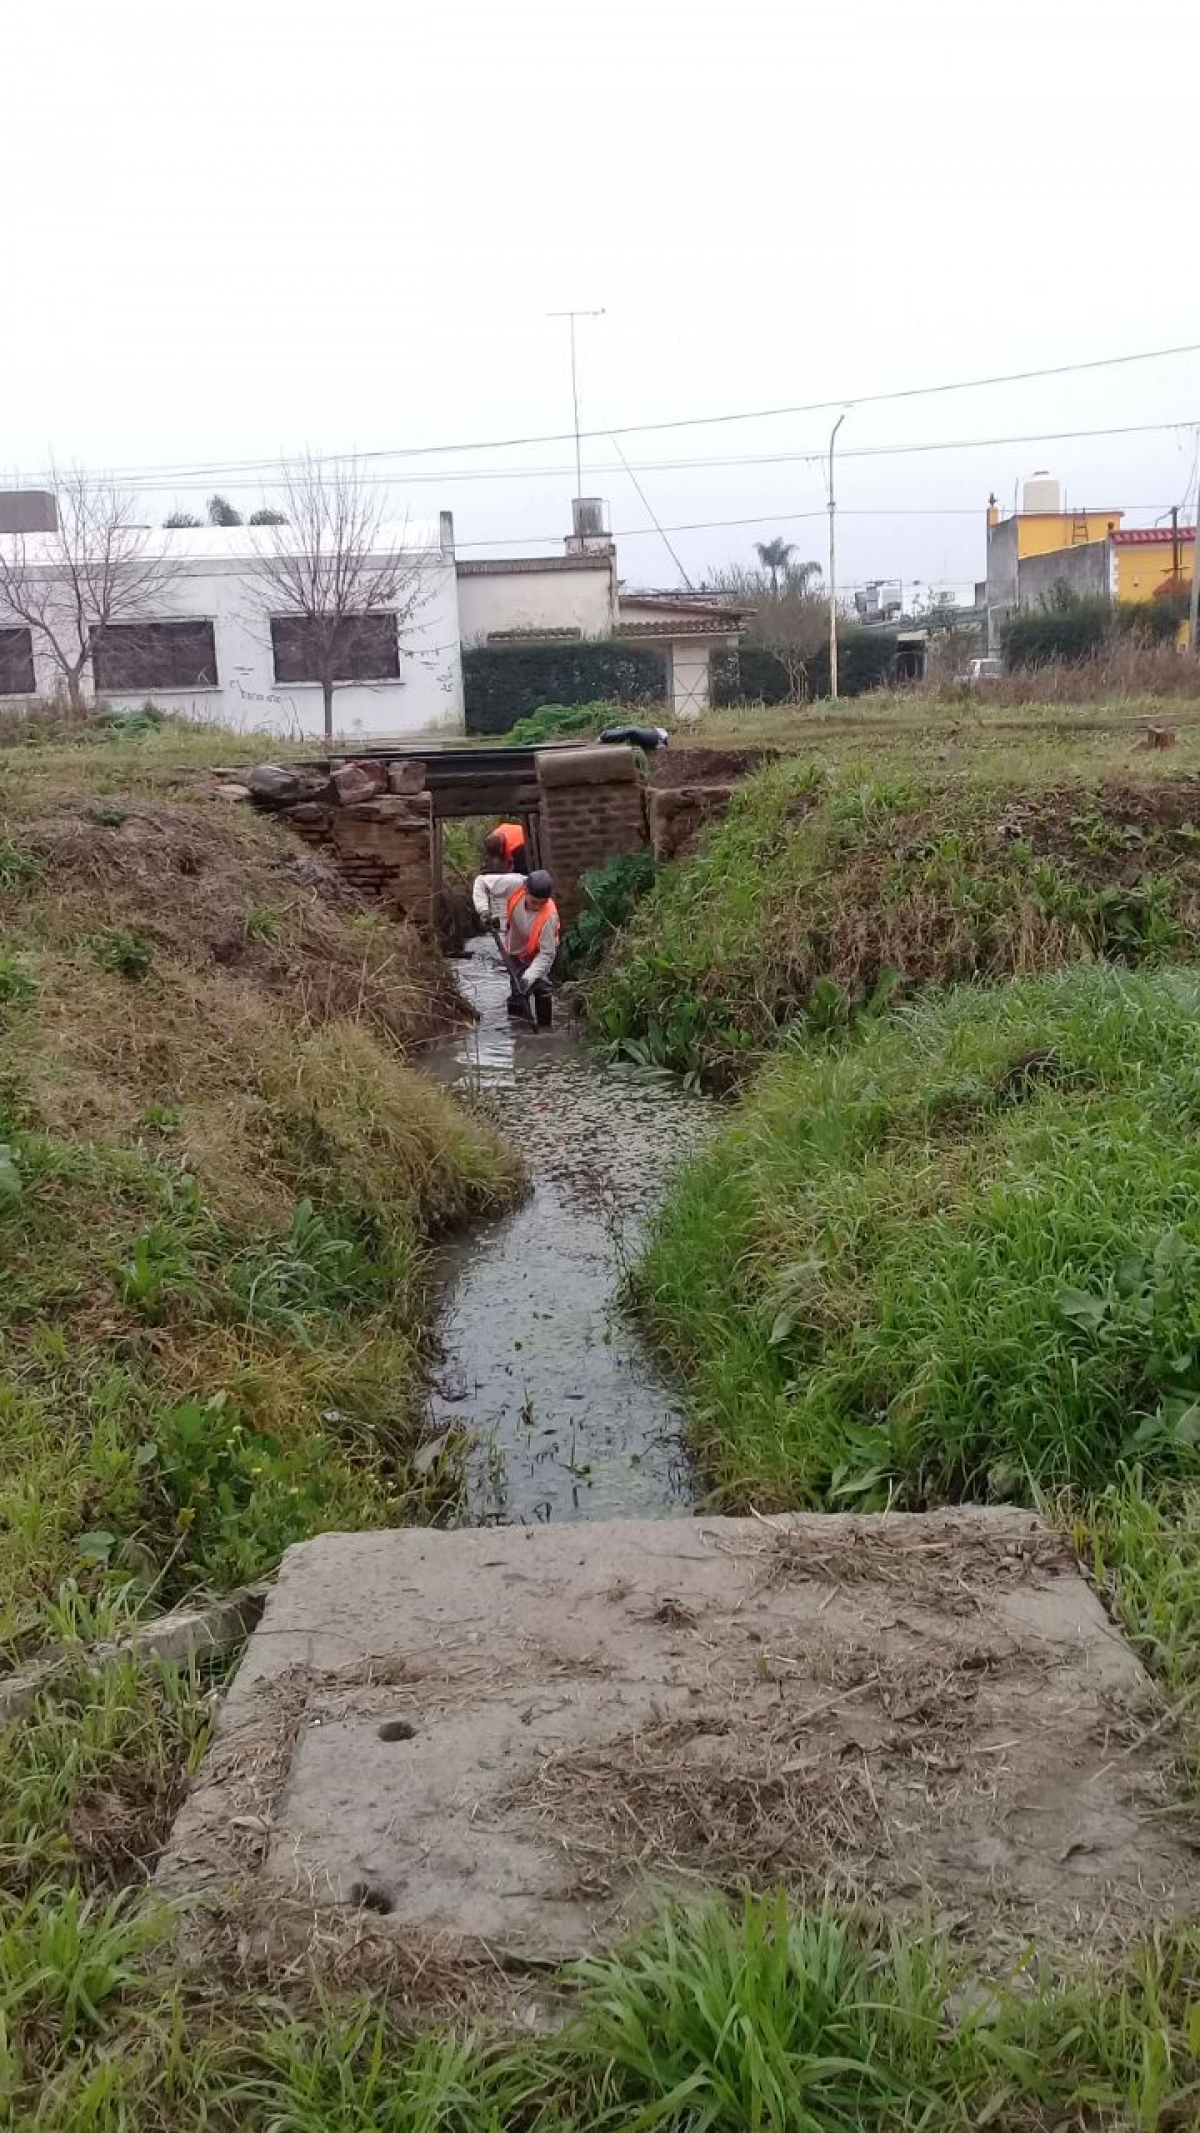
(1074, 626)
(753, 675)
(502, 683)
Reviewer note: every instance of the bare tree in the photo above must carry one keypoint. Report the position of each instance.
(790, 617)
(328, 568)
(98, 568)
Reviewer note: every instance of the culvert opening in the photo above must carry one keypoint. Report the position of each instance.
(397, 1729)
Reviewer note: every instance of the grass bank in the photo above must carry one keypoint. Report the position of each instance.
(954, 1258)
(217, 1182)
(825, 892)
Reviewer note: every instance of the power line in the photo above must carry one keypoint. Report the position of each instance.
(217, 468)
(812, 457)
(764, 518)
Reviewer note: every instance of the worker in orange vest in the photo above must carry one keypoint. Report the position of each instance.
(524, 917)
(505, 849)
(532, 943)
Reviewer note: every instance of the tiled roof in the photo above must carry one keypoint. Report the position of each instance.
(681, 625)
(1151, 536)
(504, 566)
(687, 603)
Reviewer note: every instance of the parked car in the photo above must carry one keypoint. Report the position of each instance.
(989, 668)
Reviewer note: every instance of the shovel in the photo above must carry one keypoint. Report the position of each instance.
(514, 975)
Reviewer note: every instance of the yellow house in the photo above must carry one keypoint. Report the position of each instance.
(1149, 561)
(1042, 527)
(1043, 532)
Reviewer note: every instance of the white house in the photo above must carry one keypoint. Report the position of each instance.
(204, 641)
(208, 647)
(554, 599)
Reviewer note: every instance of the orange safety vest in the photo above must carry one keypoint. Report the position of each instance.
(548, 911)
(513, 835)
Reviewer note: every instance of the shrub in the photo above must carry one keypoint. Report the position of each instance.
(554, 722)
(613, 893)
(755, 674)
(502, 683)
(1074, 627)
(1070, 626)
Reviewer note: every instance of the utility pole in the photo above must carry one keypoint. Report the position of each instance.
(833, 643)
(1194, 604)
(572, 316)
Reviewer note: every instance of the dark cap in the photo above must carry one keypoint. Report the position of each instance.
(539, 884)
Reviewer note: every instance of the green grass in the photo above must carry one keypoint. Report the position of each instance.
(219, 1178)
(956, 1258)
(826, 893)
(785, 2021)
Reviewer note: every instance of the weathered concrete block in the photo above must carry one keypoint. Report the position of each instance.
(586, 766)
(446, 1729)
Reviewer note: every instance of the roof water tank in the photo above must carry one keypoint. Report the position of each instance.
(1042, 493)
(588, 513)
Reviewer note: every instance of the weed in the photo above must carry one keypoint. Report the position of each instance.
(263, 925)
(16, 866)
(126, 952)
(16, 984)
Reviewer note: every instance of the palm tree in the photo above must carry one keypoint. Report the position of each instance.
(774, 556)
(802, 578)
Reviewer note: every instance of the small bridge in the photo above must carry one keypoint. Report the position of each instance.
(579, 805)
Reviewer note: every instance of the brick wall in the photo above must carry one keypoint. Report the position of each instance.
(382, 847)
(593, 809)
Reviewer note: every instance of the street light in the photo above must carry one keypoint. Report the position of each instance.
(833, 643)
(1194, 602)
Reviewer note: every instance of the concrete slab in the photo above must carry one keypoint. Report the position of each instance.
(514, 1739)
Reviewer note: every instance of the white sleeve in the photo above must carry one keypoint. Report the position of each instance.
(490, 893)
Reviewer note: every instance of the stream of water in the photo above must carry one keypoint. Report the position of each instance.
(569, 1413)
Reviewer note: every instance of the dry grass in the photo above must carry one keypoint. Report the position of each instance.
(733, 1800)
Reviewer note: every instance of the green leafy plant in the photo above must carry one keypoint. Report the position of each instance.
(264, 924)
(16, 984)
(560, 722)
(128, 953)
(613, 893)
(16, 866)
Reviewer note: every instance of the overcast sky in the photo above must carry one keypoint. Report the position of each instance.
(237, 231)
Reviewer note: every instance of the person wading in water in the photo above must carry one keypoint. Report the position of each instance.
(523, 916)
(505, 850)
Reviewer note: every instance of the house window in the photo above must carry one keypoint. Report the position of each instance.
(17, 677)
(127, 656)
(366, 647)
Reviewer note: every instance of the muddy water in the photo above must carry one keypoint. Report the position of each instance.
(568, 1413)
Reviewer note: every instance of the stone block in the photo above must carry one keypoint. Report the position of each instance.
(273, 786)
(353, 782)
(406, 777)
